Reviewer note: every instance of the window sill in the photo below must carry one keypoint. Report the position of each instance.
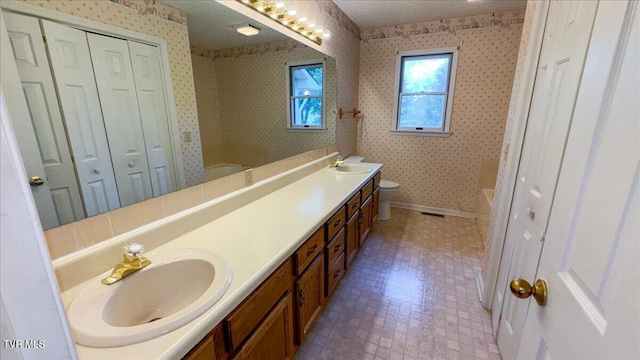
(441, 134)
(302, 130)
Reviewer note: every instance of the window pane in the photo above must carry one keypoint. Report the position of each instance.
(422, 74)
(425, 111)
(307, 111)
(307, 81)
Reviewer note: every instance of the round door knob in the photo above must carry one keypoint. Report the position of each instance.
(36, 181)
(132, 164)
(531, 213)
(522, 289)
(97, 171)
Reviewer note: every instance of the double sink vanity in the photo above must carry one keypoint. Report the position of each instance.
(243, 276)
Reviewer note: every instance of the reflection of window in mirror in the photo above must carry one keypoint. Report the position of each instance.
(305, 91)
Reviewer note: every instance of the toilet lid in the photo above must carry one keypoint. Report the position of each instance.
(388, 184)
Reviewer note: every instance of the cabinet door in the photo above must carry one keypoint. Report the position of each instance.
(375, 205)
(365, 219)
(273, 339)
(205, 350)
(352, 239)
(309, 297)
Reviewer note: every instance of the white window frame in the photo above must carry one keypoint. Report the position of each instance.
(290, 97)
(444, 131)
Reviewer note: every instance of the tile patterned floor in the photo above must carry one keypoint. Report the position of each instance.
(410, 294)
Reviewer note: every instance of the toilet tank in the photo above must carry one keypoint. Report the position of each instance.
(354, 159)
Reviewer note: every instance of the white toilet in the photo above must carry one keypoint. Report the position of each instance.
(388, 190)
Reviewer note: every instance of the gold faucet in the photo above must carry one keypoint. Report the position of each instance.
(132, 263)
(337, 162)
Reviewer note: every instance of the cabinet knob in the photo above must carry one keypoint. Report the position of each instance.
(335, 276)
(132, 164)
(312, 250)
(355, 206)
(302, 297)
(337, 248)
(337, 223)
(97, 171)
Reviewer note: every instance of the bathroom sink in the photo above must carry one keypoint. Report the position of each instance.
(351, 169)
(177, 287)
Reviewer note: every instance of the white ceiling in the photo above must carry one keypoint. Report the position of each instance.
(369, 14)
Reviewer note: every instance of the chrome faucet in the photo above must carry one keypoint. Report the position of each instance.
(132, 263)
(337, 162)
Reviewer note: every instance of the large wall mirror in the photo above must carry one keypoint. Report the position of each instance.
(111, 143)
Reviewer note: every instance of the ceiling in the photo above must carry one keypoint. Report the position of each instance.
(369, 14)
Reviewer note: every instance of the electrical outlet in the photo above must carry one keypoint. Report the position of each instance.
(187, 136)
(248, 177)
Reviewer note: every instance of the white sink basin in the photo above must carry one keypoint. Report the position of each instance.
(177, 287)
(351, 169)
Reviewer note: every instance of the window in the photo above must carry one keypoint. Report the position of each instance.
(305, 93)
(425, 81)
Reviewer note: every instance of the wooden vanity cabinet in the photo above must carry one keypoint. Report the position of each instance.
(205, 350)
(364, 222)
(309, 296)
(352, 239)
(375, 205)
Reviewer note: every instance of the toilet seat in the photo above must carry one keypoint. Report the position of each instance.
(388, 185)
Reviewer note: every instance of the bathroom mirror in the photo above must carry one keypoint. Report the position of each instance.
(241, 97)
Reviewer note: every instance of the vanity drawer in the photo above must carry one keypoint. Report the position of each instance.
(367, 189)
(335, 248)
(247, 315)
(308, 251)
(335, 223)
(353, 205)
(376, 180)
(335, 273)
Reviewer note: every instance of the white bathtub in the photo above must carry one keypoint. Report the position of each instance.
(221, 170)
(483, 211)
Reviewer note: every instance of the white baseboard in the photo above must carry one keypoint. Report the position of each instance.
(480, 284)
(433, 210)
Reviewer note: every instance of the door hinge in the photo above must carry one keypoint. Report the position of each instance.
(73, 159)
(543, 236)
(44, 38)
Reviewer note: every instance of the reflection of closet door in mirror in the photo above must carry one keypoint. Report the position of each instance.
(145, 60)
(52, 150)
(119, 101)
(73, 72)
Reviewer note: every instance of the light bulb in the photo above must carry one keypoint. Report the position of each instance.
(279, 5)
(302, 19)
(319, 30)
(292, 12)
(326, 34)
(312, 24)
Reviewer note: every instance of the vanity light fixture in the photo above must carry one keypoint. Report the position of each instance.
(247, 30)
(290, 18)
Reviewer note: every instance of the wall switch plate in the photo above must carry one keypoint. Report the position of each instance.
(248, 177)
(187, 136)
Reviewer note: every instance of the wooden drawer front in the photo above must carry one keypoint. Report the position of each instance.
(336, 223)
(375, 205)
(376, 180)
(309, 297)
(248, 314)
(353, 205)
(367, 189)
(334, 274)
(309, 250)
(335, 248)
(273, 340)
(352, 239)
(205, 350)
(365, 220)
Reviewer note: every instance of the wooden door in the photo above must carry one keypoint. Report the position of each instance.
(273, 339)
(145, 60)
(309, 297)
(352, 239)
(73, 71)
(375, 205)
(590, 257)
(365, 220)
(118, 97)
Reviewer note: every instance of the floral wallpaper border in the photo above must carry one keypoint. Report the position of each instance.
(504, 19)
(285, 45)
(150, 7)
(335, 12)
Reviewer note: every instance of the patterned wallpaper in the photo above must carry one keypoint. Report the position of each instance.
(251, 105)
(439, 172)
(149, 18)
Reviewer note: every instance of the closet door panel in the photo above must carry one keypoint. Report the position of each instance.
(73, 72)
(145, 60)
(118, 97)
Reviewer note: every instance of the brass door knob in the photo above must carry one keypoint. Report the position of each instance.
(36, 181)
(522, 290)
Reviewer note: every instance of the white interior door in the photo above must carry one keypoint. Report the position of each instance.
(145, 60)
(46, 120)
(564, 48)
(590, 257)
(73, 72)
(114, 77)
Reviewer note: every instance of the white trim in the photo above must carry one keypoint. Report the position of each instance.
(479, 285)
(308, 130)
(442, 134)
(93, 26)
(433, 210)
(288, 65)
(450, 94)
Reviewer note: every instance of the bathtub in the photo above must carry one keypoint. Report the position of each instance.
(483, 211)
(221, 170)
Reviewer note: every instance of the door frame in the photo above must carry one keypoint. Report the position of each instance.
(511, 153)
(104, 29)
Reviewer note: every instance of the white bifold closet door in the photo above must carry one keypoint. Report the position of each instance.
(78, 94)
(119, 100)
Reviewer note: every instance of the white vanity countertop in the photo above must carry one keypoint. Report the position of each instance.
(255, 239)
